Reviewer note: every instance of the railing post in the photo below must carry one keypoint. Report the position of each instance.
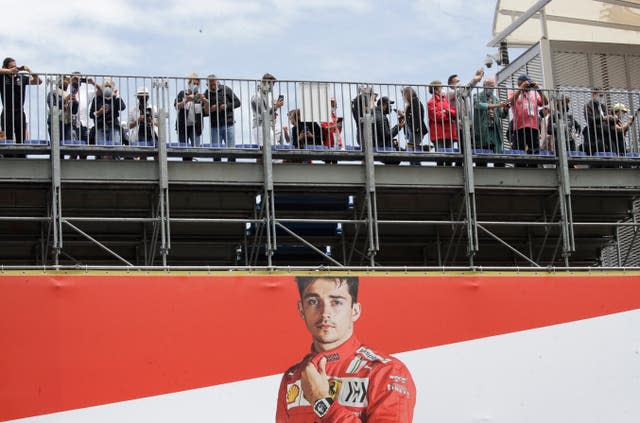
(56, 193)
(267, 169)
(469, 181)
(161, 88)
(367, 122)
(564, 184)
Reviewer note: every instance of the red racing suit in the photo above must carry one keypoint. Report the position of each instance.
(365, 387)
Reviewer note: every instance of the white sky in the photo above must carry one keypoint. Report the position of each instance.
(413, 41)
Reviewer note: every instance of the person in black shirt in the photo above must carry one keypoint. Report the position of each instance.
(13, 87)
(105, 111)
(219, 107)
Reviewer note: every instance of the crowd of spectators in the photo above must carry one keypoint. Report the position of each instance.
(520, 121)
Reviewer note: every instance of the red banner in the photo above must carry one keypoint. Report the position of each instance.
(68, 342)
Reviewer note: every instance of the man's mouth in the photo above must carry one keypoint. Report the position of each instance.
(324, 326)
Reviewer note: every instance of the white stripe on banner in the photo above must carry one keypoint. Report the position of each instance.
(586, 371)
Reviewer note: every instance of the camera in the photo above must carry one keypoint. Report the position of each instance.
(20, 68)
(488, 61)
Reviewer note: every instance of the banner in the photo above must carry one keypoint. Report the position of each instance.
(194, 348)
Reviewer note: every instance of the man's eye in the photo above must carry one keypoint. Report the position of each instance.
(336, 302)
(313, 301)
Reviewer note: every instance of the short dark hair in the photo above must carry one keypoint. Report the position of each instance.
(351, 281)
(6, 61)
(455, 75)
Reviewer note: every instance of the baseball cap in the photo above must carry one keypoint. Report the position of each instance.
(524, 77)
(385, 100)
(619, 107)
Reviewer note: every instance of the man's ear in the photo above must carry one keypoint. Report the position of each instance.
(356, 309)
(300, 311)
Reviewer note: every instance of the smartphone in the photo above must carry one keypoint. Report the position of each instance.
(280, 97)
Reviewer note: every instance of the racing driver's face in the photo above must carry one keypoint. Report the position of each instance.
(328, 312)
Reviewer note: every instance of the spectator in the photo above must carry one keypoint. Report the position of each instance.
(83, 90)
(526, 102)
(621, 129)
(143, 123)
(458, 96)
(488, 114)
(330, 133)
(600, 124)
(262, 101)
(302, 134)
(561, 112)
(189, 104)
(362, 104)
(67, 107)
(105, 111)
(13, 87)
(383, 133)
(414, 127)
(442, 118)
(219, 107)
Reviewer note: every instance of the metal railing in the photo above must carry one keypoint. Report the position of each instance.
(206, 117)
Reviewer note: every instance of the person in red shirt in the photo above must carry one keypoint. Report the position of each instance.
(341, 380)
(442, 118)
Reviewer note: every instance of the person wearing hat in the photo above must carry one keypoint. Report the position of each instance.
(526, 102)
(383, 133)
(443, 118)
(621, 129)
(143, 125)
(219, 107)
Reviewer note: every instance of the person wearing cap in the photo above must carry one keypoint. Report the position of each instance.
(219, 107)
(600, 124)
(443, 118)
(383, 133)
(143, 125)
(526, 102)
(621, 128)
(189, 104)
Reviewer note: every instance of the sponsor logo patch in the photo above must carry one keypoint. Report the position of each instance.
(353, 392)
(370, 355)
(292, 393)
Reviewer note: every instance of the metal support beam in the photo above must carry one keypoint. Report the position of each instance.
(98, 243)
(56, 190)
(308, 244)
(268, 200)
(564, 189)
(469, 181)
(161, 88)
(494, 236)
(524, 17)
(370, 181)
